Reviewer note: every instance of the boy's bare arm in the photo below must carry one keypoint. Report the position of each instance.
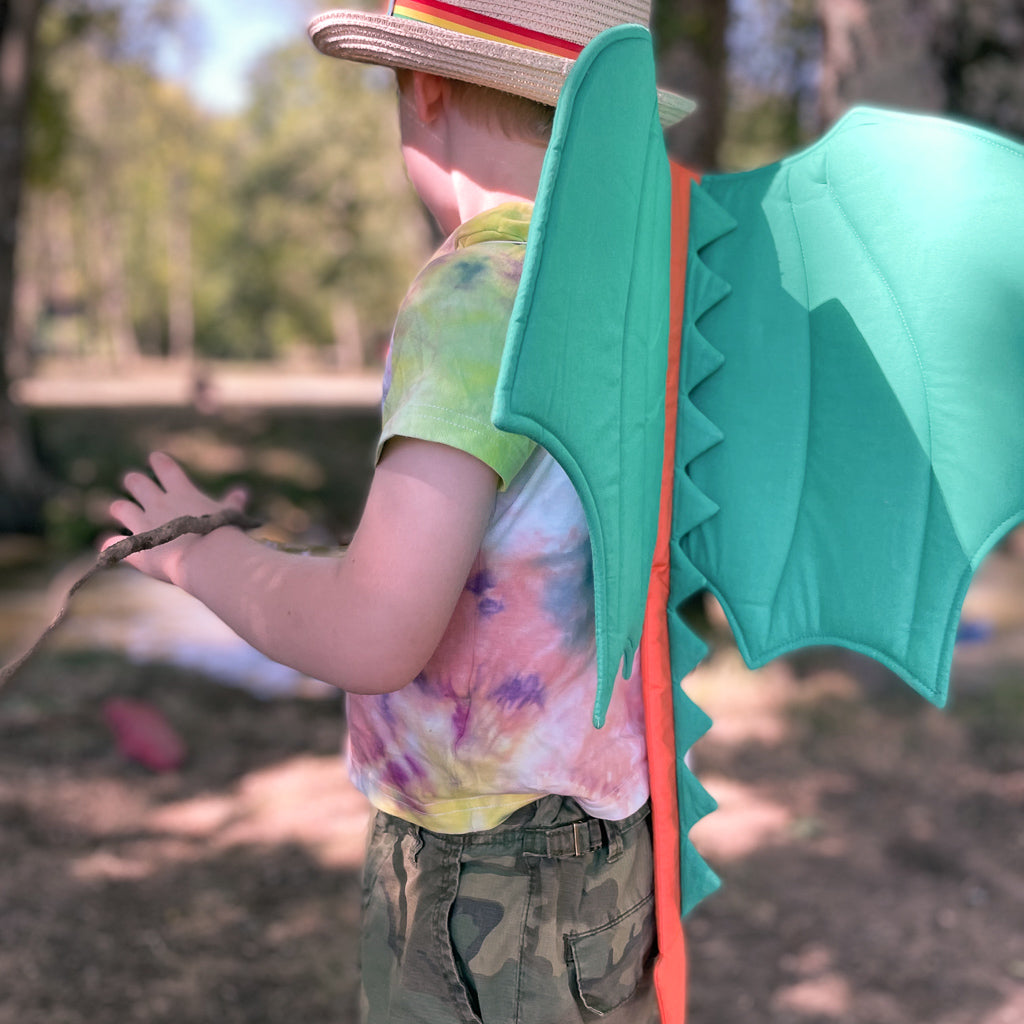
(367, 622)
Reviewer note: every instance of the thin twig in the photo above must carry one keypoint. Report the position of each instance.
(130, 546)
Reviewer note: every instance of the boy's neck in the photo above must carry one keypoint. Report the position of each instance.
(477, 188)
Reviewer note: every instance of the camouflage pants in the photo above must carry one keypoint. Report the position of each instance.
(547, 919)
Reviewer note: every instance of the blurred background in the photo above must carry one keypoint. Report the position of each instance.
(204, 232)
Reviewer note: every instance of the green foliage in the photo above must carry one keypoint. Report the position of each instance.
(326, 217)
(760, 130)
(775, 52)
(994, 716)
(50, 125)
(288, 226)
(672, 23)
(291, 227)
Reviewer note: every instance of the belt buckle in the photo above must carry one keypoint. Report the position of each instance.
(580, 837)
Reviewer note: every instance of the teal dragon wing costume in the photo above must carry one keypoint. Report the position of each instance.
(841, 437)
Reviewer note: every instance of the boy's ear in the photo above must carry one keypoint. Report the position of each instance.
(430, 95)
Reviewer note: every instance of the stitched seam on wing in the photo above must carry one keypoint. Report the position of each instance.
(807, 421)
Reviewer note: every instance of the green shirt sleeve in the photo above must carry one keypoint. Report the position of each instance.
(446, 352)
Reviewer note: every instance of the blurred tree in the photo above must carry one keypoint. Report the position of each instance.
(20, 485)
(774, 61)
(103, 255)
(160, 228)
(957, 57)
(979, 50)
(693, 60)
(35, 128)
(797, 65)
(327, 231)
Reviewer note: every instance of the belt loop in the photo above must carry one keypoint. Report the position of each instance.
(614, 839)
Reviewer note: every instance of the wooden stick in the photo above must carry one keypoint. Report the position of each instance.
(115, 553)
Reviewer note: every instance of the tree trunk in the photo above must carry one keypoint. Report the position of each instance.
(181, 319)
(881, 53)
(960, 57)
(109, 284)
(692, 59)
(20, 485)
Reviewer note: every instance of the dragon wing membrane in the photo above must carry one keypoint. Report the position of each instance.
(871, 392)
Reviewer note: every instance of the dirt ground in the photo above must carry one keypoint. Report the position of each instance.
(872, 851)
(227, 891)
(871, 847)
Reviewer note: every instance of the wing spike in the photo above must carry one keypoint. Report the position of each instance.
(700, 358)
(697, 434)
(694, 507)
(695, 802)
(699, 881)
(694, 723)
(709, 221)
(704, 290)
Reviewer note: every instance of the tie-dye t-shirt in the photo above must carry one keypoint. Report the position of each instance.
(501, 714)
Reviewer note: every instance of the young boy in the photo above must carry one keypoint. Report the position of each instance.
(509, 874)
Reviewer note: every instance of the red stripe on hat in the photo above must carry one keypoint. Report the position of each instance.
(457, 19)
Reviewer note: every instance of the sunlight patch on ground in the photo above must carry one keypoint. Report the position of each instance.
(103, 864)
(284, 803)
(747, 706)
(1011, 1012)
(825, 996)
(743, 822)
(821, 991)
(290, 466)
(161, 382)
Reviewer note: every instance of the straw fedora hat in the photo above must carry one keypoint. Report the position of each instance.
(525, 47)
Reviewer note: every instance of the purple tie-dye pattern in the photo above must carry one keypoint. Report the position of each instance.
(386, 712)
(395, 775)
(519, 692)
(460, 720)
(480, 583)
(489, 606)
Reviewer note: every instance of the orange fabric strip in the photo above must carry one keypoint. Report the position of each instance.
(670, 970)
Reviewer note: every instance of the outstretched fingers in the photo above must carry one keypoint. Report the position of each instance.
(177, 484)
(169, 474)
(142, 488)
(129, 515)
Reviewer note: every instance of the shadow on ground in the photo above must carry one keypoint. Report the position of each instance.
(211, 894)
(872, 850)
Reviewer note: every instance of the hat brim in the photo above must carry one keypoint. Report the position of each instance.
(403, 43)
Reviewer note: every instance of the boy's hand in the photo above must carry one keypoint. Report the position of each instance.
(158, 501)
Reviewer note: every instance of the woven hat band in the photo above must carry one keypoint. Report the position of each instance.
(482, 26)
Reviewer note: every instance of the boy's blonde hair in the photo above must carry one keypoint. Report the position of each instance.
(516, 116)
